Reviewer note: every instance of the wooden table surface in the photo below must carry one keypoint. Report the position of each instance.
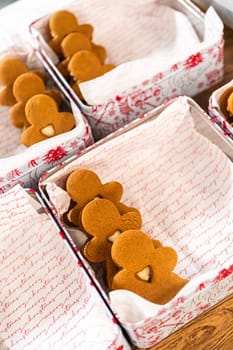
(213, 330)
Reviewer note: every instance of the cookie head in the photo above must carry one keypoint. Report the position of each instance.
(24, 87)
(83, 185)
(10, 68)
(62, 23)
(103, 222)
(75, 42)
(28, 85)
(145, 269)
(45, 120)
(84, 65)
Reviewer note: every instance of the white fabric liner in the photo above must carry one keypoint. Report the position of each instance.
(150, 39)
(46, 300)
(155, 36)
(151, 43)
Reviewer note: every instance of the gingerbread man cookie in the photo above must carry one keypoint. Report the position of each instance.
(85, 65)
(24, 87)
(144, 269)
(111, 268)
(62, 23)
(45, 120)
(102, 221)
(10, 68)
(71, 44)
(75, 42)
(83, 185)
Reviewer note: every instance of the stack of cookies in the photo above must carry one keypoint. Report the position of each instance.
(80, 59)
(131, 259)
(33, 108)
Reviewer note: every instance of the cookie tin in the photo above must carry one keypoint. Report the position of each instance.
(208, 287)
(24, 165)
(197, 72)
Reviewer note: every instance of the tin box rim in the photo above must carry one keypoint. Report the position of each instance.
(137, 122)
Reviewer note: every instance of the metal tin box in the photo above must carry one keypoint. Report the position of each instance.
(214, 279)
(191, 75)
(24, 165)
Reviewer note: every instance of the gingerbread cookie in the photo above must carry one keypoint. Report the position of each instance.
(62, 23)
(85, 65)
(24, 87)
(83, 185)
(144, 269)
(45, 120)
(111, 268)
(102, 221)
(76, 41)
(72, 43)
(10, 68)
